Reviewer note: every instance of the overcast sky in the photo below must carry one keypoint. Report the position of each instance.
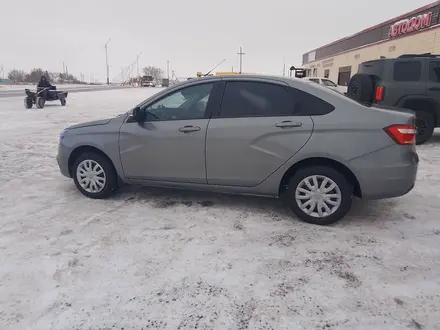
(193, 35)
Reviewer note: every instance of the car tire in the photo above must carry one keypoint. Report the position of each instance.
(425, 126)
(338, 200)
(360, 88)
(28, 103)
(40, 102)
(98, 186)
(63, 101)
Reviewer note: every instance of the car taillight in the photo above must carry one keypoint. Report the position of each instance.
(379, 93)
(402, 134)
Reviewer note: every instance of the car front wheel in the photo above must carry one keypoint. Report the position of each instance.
(319, 195)
(94, 175)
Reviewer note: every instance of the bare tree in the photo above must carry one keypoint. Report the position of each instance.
(53, 76)
(16, 75)
(156, 73)
(35, 75)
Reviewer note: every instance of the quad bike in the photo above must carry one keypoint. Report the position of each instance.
(42, 95)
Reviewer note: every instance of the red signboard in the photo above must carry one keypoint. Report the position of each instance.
(410, 25)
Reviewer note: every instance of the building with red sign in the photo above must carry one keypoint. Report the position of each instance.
(416, 32)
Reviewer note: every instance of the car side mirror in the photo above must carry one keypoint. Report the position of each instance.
(139, 114)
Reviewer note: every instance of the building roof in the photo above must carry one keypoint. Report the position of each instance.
(392, 20)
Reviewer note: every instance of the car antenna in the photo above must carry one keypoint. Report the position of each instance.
(214, 68)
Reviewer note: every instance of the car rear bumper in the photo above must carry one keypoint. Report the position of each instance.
(387, 173)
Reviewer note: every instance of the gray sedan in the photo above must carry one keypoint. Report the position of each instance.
(257, 135)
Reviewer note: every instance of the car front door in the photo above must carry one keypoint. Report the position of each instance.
(170, 144)
(433, 85)
(254, 133)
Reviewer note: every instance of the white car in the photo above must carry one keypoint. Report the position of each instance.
(327, 83)
(151, 83)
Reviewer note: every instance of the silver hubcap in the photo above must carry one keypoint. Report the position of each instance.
(318, 196)
(91, 176)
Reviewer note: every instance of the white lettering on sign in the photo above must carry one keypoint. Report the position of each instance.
(409, 25)
(312, 56)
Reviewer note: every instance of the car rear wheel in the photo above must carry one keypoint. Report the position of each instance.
(94, 175)
(63, 101)
(319, 195)
(425, 126)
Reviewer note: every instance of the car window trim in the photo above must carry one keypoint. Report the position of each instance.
(285, 86)
(162, 96)
(437, 63)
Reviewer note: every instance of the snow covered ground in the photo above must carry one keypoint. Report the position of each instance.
(18, 90)
(22, 87)
(60, 86)
(165, 259)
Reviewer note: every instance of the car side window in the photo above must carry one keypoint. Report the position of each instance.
(309, 105)
(314, 80)
(328, 83)
(255, 99)
(434, 71)
(407, 71)
(184, 104)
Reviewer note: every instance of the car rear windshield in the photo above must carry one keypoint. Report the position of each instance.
(330, 91)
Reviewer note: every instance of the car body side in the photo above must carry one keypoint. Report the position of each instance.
(350, 138)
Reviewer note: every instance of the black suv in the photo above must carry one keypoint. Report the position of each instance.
(409, 81)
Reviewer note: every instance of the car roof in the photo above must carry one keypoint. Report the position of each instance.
(300, 83)
(308, 78)
(284, 79)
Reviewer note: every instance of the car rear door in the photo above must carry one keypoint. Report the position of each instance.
(254, 133)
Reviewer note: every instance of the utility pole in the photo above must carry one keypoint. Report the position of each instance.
(241, 58)
(168, 69)
(137, 64)
(106, 61)
(2, 72)
(284, 67)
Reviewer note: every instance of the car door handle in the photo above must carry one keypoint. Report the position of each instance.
(434, 89)
(288, 124)
(187, 129)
